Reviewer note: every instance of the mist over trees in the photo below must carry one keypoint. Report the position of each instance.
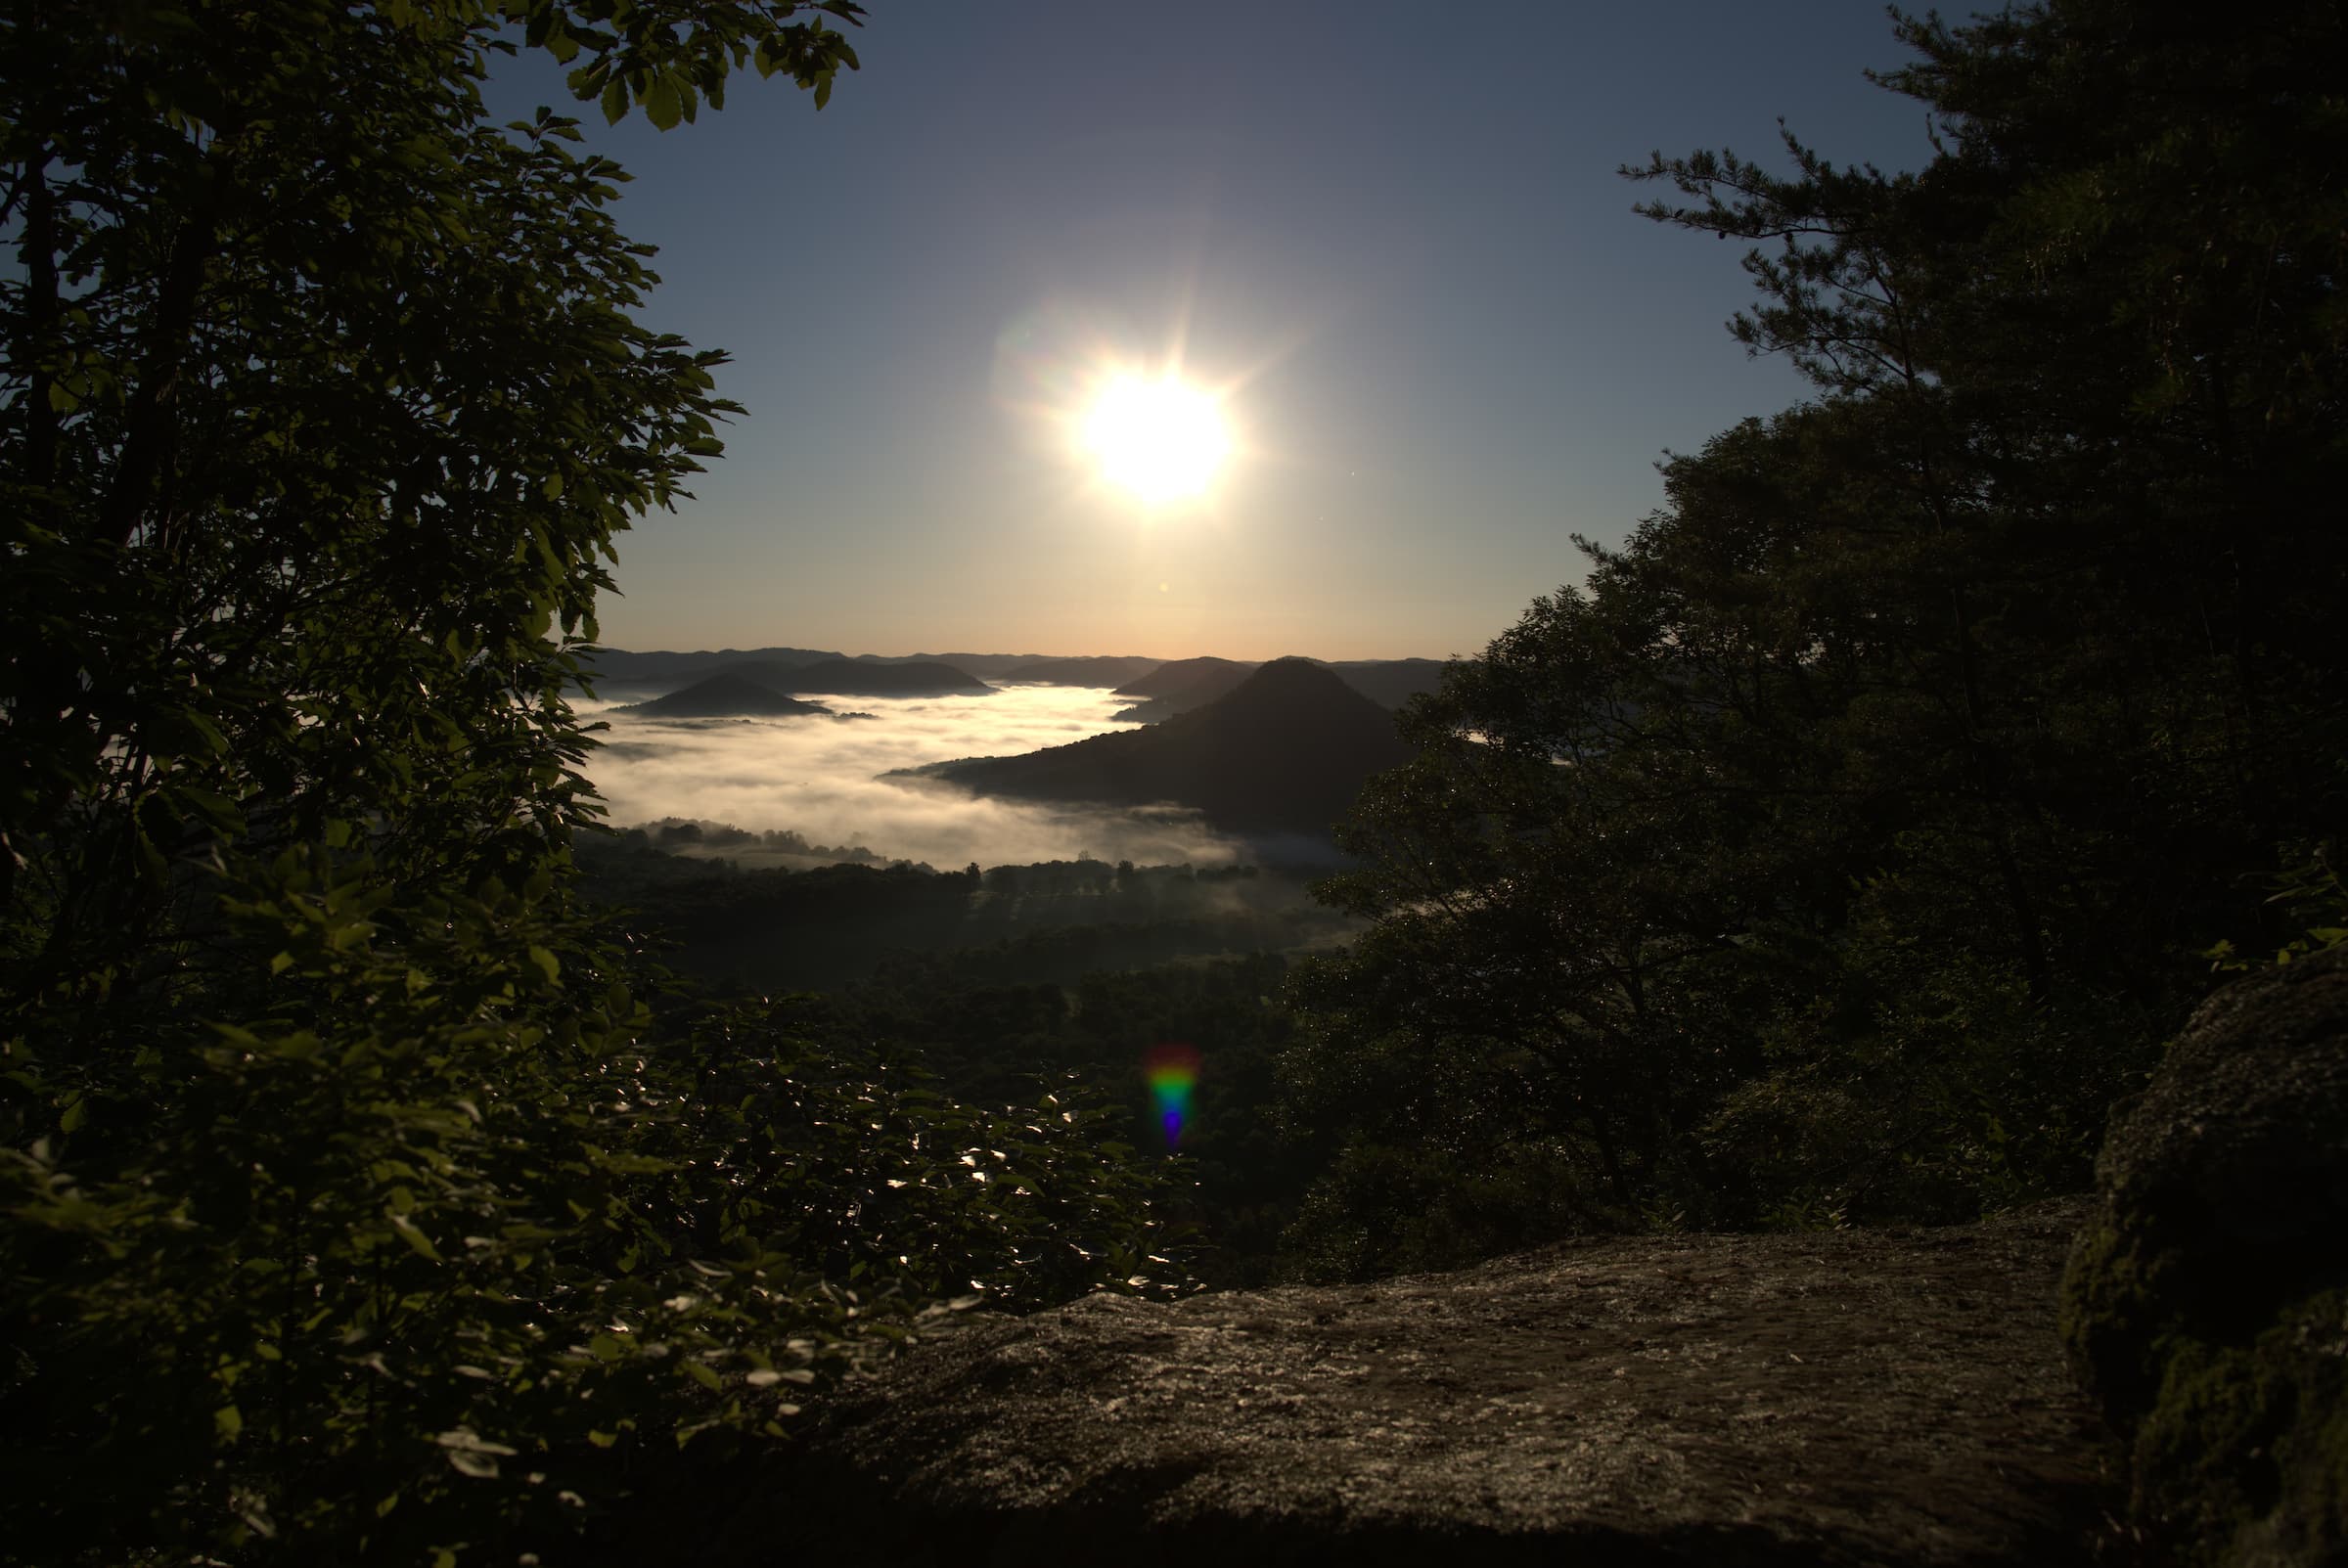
(764, 929)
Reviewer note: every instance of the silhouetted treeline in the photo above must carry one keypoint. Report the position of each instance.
(1853, 836)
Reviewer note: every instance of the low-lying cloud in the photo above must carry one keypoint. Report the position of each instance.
(820, 778)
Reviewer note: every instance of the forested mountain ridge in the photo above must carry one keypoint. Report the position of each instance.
(1102, 670)
(902, 678)
(619, 666)
(989, 666)
(1287, 749)
(730, 694)
(1178, 677)
(1391, 682)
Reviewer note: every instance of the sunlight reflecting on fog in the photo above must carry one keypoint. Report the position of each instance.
(817, 777)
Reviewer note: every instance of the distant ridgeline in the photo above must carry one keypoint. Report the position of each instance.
(761, 688)
(1104, 671)
(619, 666)
(1160, 688)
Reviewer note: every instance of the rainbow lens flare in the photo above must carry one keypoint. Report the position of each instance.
(1173, 1072)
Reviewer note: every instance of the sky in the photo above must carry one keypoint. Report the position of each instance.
(1388, 238)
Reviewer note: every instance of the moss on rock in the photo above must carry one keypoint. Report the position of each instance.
(2206, 1302)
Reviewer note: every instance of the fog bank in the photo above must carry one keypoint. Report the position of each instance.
(819, 778)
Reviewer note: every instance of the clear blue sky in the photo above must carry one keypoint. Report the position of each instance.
(1393, 232)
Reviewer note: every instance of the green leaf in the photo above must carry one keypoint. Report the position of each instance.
(616, 101)
(218, 811)
(661, 106)
(417, 1241)
(213, 738)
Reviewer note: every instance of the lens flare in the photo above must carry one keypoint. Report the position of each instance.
(1172, 1072)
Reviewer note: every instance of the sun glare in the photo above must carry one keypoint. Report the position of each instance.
(1161, 439)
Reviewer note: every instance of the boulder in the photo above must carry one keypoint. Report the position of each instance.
(2206, 1302)
(1844, 1398)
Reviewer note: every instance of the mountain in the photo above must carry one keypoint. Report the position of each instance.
(781, 675)
(1099, 671)
(1181, 685)
(621, 667)
(988, 665)
(905, 678)
(1287, 749)
(1390, 681)
(1178, 677)
(722, 697)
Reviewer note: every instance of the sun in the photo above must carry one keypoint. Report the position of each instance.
(1161, 439)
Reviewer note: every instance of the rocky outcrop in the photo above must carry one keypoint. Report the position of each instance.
(2208, 1301)
(1884, 1397)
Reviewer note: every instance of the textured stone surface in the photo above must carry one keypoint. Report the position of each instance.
(2207, 1299)
(1886, 1397)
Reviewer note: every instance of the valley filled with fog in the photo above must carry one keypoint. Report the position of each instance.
(822, 778)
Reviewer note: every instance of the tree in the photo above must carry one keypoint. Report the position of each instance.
(324, 407)
(1887, 777)
(363, 1196)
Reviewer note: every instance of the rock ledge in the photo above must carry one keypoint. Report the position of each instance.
(1884, 1397)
